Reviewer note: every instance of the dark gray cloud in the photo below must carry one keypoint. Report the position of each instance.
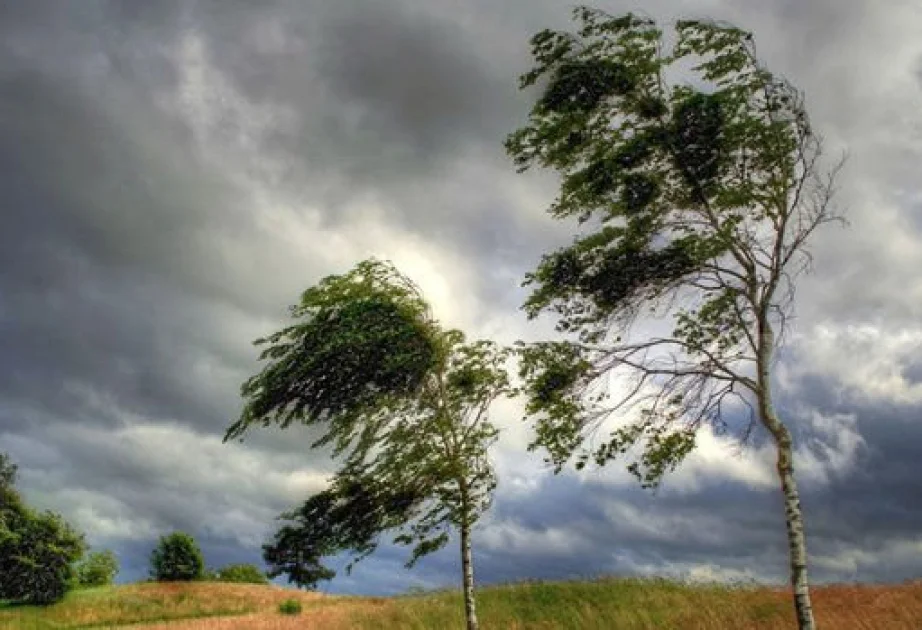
(173, 174)
(414, 80)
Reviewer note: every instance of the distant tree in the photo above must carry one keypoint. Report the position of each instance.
(403, 403)
(177, 558)
(97, 568)
(7, 472)
(698, 177)
(37, 549)
(240, 574)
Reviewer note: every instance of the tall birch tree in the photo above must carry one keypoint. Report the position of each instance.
(698, 182)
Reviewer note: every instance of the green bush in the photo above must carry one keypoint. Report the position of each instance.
(97, 569)
(177, 558)
(240, 574)
(290, 607)
(37, 550)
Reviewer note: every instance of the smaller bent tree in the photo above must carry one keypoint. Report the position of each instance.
(700, 199)
(404, 405)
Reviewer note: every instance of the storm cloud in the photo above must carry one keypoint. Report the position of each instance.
(174, 174)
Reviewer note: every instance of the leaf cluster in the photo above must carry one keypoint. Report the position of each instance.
(347, 516)
(701, 193)
(362, 342)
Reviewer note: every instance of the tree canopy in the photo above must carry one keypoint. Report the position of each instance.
(696, 198)
(362, 343)
(176, 558)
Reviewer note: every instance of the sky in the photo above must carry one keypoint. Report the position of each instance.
(174, 174)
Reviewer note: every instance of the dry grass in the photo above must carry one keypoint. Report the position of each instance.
(139, 603)
(627, 604)
(331, 614)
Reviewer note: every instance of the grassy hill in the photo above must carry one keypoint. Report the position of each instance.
(626, 604)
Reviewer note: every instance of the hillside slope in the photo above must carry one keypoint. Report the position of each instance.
(627, 604)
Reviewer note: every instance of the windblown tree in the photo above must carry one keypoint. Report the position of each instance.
(699, 182)
(404, 405)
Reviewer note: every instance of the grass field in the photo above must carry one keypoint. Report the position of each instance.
(625, 604)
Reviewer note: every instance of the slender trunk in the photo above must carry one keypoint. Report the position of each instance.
(793, 516)
(467, 560)
(467, 567)
(796, 539)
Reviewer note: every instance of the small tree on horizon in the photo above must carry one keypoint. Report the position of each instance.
(97, 568)
(176, 558)
(403, 402)
(698, 199)
(8, 471)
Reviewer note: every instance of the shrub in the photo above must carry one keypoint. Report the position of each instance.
(241, 574)
(176, 558)
(97, 569)
(290, 607)
(37, 550)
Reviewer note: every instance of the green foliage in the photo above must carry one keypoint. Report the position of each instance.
(240, 574)
(414, 445)
(176, 558)
(98, 568)
(362, 342)
(555, 377)
(429, 473)
(37, 550)
(440, 452)
(347, 516)
(290, 607)
(702, 196)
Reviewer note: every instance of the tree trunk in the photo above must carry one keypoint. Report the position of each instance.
(793, 517)
(796, 541)
(467, 568)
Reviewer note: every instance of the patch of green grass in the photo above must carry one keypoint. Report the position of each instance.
(290, 607)
(627, 604)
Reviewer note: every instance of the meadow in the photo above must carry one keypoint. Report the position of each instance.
(626, 604)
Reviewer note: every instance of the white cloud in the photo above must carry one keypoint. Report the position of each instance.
(709, 573)
(229, 490)
(719, 458)
(510, 537)
(833, 449)
(854, 562)
(868, 359)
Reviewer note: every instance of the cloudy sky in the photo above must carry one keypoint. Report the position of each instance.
(173, 174)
